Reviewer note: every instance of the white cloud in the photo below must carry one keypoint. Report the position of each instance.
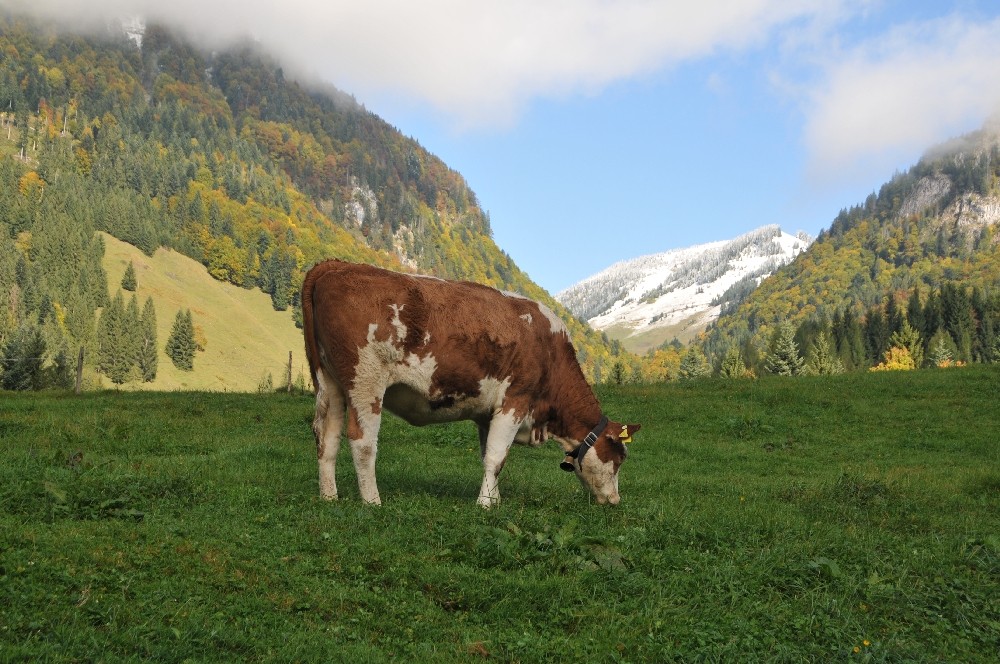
(901, 92)
(478, 62)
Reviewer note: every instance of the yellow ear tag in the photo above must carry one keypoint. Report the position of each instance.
(623, 436)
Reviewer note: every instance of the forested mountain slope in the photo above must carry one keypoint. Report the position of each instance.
(217, 156)
(925, 250)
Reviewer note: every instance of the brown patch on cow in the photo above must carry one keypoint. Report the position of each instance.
(414, 316)
(451, 378)
(609, 448)
(377, 407)
(365, 455)
(354, 431)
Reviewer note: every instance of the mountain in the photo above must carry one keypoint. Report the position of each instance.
(924, 249)
(218, 156)
(676, 294)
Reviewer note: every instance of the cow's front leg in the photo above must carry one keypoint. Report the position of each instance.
(363, 422)
(503, 428)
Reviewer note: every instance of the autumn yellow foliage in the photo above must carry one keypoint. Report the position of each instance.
(896, 359)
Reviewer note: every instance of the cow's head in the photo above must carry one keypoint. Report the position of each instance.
(597, 458)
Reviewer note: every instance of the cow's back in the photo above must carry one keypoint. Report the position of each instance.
(471, 331)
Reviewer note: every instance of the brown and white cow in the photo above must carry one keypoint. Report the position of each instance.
(431, 350)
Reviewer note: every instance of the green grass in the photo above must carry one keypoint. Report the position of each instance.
(779, 519)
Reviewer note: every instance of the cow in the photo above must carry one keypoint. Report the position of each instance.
(431, 350)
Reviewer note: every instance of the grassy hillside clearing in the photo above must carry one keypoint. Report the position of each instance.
(245, 338)
(847, 518)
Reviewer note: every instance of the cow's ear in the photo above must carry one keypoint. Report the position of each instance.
(628, 430)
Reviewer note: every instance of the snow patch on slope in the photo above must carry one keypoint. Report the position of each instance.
(669, 288)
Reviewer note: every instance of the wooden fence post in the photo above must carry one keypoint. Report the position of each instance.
(289, 372)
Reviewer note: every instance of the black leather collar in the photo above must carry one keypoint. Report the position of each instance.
(582, 449)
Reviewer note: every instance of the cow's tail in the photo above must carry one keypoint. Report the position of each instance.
(308, 325)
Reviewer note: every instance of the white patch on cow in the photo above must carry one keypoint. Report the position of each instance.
(556, 324)
(371, 331)
(427, 338)
(600, 477)
(396, 322)
(492, 393)
(504, 427)
(526, 318)
(327, 425)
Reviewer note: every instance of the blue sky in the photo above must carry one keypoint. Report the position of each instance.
(599, 130)
(705, 148)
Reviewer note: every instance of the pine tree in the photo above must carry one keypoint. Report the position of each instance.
(180, 344)
(129, 282)
(915, 311)
(849, 338)
(60, 374)
(114, 358)
(956, 311)
(908, 338)
(21, 359)
(132, 335)
(942, 350)
(893, 315)
(876, 334)
(693, 365)
(783, 358)
(822, 360)
(148, 356)
(733, 365)
(618, 372)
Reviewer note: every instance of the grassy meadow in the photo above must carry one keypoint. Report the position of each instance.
(846, 518)
(245, 338)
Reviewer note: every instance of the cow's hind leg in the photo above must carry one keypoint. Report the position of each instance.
(363, 422)
(328, 425)
(503, 428)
